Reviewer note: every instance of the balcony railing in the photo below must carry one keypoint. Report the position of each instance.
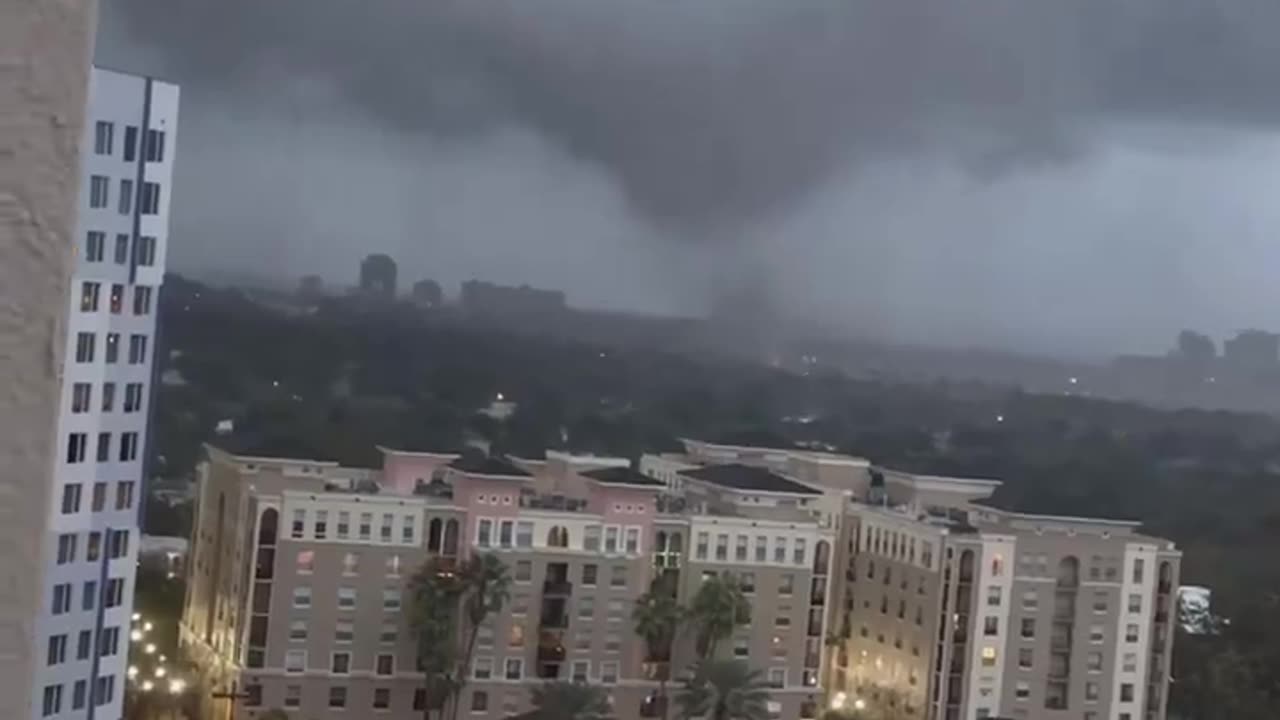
(557, 588)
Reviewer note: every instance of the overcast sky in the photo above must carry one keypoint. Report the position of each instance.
(1085, 176)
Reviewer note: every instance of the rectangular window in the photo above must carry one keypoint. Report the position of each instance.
(344, 632)
(104, 448)
(991, 626)
(340, 663)
(105, 690)
(722, 546)
(146, 251)
(701, 549)
(762, 548)
(617, 610)
(109, 642)
(99, 191)
(381, 698)
(155, 146)
(61, 598)
(150, 202)
(117, 299)
(1126, 692)
(611, 539)
(484, 532)
(366, 525)
(580, 671)
(406, 530)
(52, 701)
(1025, 658)
(591, 538)
(609, 672)
(84, 645)
(1099, 601)
(393, 566)
(1131, 632)
(95, 246)
(391, 599)
(524, 534)
(1093, 662)
(1091, 692)
(589, 572)
(81, 397)
(346, 598)
(79, 691)
(586, 608)
(1135, 603)
(128, 446)
(302, 597)
(293, 696)
(633, 541)
(295, 661)
(298, 529)
(132, 397)
(90, 292)
(780, 549)
(777, 677)
(993, 596)
(1096, 634)
(350, 563)
(344, 524)
(118, 543)
(298, 631)
(388, 634)
(94, 550)
(321, 527)
(524, 571)
(142, 300)
(479, 701)
(57, 652)
(1130, 662)
(513, 668)
(71, 498)
(137, 349)
(66, 548)
(385, 664)
(113, 348)
(1028, 628)
(798, 555)
(124, 203)
(84, 347)
(99, 497)
(130, 143)
(618, 576)
(337, 696)
(482, 668)
(1138, 567)
(1022, 690)
(103, 135)
(988, 656)
(121, 253)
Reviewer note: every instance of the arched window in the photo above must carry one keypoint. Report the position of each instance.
(450, 538)
(1068, 572)
(267, 527)
(558, 537)
(821, 557)
(435, 535)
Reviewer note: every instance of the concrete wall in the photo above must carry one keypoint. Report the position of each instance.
(45, 50)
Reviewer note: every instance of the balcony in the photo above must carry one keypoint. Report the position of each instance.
(557, 588)
(554, 621)
(551, 653)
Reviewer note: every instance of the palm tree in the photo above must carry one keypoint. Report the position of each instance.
(717, 610)
(568, 701)
(435, 593)
(657, 617)
(724, 690)
(486, 587)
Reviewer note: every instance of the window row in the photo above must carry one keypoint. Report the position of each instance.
(86, 348)
(51, 704)
(112, 595)
(895, 545)
(344, 632)
(305, 564)
(346, 598)
(73, 494)
(78, 447)
(95, 251)
(341, 529)
(104, 132)
(82, 398)
(108, 645)
(91, 296)
(68, 546)
(295, 661)
(100, 195)
(743, 547)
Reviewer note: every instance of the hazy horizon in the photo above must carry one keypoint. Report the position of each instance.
(1086, 178)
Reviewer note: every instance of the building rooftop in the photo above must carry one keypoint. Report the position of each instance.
(487, 465)
(1021, 508)
(275, 446)
(622, 476)
(748, 478)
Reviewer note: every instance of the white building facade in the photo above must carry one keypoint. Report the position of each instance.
(82, 634)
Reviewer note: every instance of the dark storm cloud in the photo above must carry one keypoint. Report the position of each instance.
(625, 125)
(722, 109)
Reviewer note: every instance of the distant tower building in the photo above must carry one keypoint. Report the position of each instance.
(378, 276)
(311, 287)
(1252, 351)
(1196, 348)
(427, 293)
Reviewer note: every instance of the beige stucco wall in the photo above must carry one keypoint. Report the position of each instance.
(45, 51)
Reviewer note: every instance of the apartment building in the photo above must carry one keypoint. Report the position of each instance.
(946, 606)
(299, 571)
(83, 627)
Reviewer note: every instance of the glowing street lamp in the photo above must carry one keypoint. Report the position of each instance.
(137, 617)
(176, 686)
(150, 649)
(859, 704)
(135, 635)
(132, 672)
(147, 686)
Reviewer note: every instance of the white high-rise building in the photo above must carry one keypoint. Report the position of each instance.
(82, 634)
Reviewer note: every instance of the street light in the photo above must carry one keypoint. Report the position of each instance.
(150, 649)
(859, 704)
(132, 672)
(176, 686)
(135, 635)
(147, 685)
